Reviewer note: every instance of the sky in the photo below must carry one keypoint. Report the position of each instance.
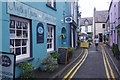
(87, 6)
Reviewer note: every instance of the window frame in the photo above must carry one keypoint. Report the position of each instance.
(103, 26)
(53, 38)
(51, 4)
(28, 38)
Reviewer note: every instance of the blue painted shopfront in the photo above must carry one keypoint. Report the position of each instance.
(49, 16)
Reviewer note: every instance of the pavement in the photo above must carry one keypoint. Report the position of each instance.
(60, 70)
(116, 62)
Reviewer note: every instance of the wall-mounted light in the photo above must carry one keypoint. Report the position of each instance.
(62, 21)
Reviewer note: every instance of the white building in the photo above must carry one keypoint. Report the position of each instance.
(100, 18)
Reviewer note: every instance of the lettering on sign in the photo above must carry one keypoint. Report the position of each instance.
(7, 66)
(5, 61)
(17, 8)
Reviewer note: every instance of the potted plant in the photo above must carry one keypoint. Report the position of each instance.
(63, 36)
(26, 70)
(48, 63)
(116, 51)
(78, 42)
(55, 55)
(70, 51)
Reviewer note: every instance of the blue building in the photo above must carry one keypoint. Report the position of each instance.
(31, 30)
(73, 12)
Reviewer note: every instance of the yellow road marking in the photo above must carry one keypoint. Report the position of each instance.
(78, 66)
(109, 66)
(107, 73)
(73, 67)
(105, 57)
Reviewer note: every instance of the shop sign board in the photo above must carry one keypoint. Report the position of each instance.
(63, 55)
(18, 8)
(105, 31)
(84, 44)
(40, 33)
(7, 66)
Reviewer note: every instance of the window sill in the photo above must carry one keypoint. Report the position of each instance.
(51, 7)
(51, 52)
(27, 59)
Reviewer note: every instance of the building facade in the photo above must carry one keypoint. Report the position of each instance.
(73, 12)
(86, 25)
(100, 18)
(31, 30)
(114, 21)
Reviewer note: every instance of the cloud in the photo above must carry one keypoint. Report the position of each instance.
(87, 6)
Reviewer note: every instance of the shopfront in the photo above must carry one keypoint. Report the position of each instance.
(29, 33)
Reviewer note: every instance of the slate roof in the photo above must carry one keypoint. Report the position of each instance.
(82, 21)
(101, 16)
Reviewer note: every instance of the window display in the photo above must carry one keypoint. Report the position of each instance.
(19, 37)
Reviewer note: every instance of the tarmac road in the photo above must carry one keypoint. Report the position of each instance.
(92, 65)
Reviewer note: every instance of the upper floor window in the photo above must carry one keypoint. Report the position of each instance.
(103, 25)
(51, 3)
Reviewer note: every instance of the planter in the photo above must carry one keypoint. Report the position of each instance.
(43, 67)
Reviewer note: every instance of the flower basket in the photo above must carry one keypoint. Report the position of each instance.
(63, 36)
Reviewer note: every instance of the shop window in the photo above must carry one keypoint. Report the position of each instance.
(20, 37)
(50, 38)
(51, 3)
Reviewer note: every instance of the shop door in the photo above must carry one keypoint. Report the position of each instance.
(100, 37)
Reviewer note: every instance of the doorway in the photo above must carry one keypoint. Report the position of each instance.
(100, 37)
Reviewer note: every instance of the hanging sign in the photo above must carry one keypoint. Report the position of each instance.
(68, 19)
(7, 66)
(40, 33)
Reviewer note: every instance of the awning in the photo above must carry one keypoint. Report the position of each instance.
(83, 34)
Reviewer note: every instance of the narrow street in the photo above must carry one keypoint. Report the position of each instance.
(92, 64)
(57, 39)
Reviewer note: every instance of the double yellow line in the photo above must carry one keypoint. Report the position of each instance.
(106, 62)
(76, 67)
